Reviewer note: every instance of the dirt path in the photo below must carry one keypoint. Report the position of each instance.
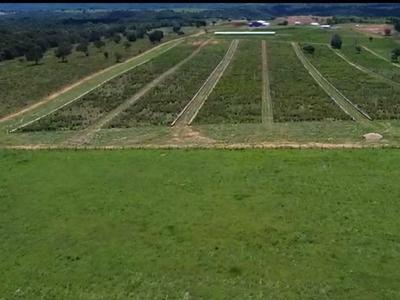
(266, 145)
(74, 85)
(187, 115)
(365, 70)
(267, 111)
(87, 135)
(345, 104)
(380, 56)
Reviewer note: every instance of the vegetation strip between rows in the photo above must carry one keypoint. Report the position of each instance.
(345, 104)
(97, 86)
(187, 115)
(365, 70)
(102, 122)
(267, 112)
(380, 56)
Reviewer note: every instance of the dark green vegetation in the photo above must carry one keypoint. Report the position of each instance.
(163, 103)
(378, 99)
(103, 100)
(246, 225)
(237, 96)
(296, 95)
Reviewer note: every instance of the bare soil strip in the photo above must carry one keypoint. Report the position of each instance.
(86, 135)
(267, 110)
(269, 145)
(345, 104)
(380, 56)
(365, 70)
(187, 115)
(74, 85)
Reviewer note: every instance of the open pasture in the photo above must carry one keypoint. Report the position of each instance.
(109, 96)
(23, 83)
(379, 100)
(163, 103)
(223, 224)
(237, 96)
(296, 96)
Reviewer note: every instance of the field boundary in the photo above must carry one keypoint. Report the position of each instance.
(267, 110)
(137, 96)
(342, 101)
(271, 145)
(378, 55)
(91, 89)
(190, 111)
(363, 69)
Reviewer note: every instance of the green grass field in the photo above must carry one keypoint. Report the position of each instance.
(211, 224)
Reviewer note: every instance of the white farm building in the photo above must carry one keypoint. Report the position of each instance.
(314, 24)
(245, 33)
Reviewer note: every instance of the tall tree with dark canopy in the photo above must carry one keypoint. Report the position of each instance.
(83, 47)
(336, 41)
(34, 54)
(63, 50)
(395, 54)
(156, 36)
(99, 45)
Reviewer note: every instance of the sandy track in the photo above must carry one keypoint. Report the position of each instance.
(74, 85)
(87, 134)
(267, 145)
(267, 111)
(187, 115)
(345, 104)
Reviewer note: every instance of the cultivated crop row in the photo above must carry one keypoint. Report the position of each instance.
(377, 99)
(163, 104)
(237, 96)
(296, 96)
(372, 62)
(106, 98)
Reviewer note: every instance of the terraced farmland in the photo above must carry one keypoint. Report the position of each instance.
(237, 96)
(295, 94)
(104, 99)
(379, 100)
(163, 104)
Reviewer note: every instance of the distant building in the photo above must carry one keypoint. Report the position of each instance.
(314, 24)
(245, 33)
(325, 26)
(259, 23)
(297, 23)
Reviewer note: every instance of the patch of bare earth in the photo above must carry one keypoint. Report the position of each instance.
(374, 29)
(306, 19)
(184, 135)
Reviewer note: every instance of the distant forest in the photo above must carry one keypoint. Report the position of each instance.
(27, 27)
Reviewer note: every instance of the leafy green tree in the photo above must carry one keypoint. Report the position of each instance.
(83, 47)
(106, 55)
(156, 36)
(127, 45)
(395, 54)
(310, 49)
(117, 38)
(358, 49)
(336, 42)
(34, 54)
(118, 57)
(63, 50)
(176, 28)
(99, 45)
(131, 37)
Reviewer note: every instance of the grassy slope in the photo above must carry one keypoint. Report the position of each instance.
(279, 224)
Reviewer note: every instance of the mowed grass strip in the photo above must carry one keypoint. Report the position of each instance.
(371, 62)
(376, 98)
(296, 96)
(22, 83)
(281, 224)
(163, 104)
(237, 96)
(99, 102)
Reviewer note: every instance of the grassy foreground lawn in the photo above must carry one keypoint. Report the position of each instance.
(211, 224)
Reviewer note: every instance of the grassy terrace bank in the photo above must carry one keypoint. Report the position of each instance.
(253, 224)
